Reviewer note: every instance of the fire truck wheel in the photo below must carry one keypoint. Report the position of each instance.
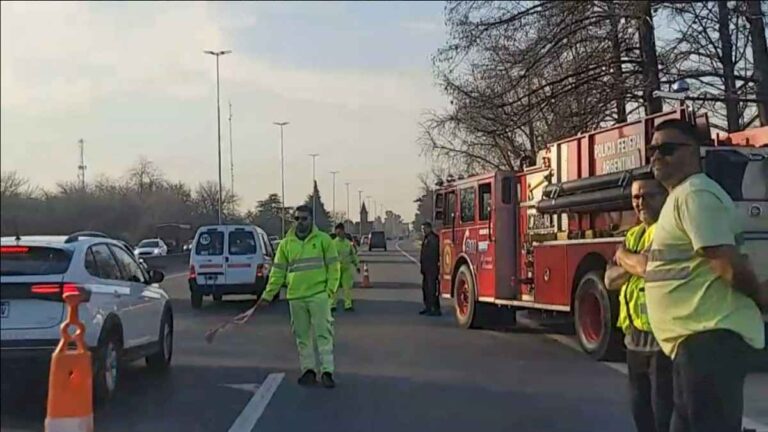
(465, 299)
(595, 315)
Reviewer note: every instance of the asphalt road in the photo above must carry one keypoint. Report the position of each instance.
(396, 371)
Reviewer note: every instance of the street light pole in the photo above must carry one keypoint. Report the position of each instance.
(218, 116)
(314, 183)
(231, 154)
(333, 173)
(282, 178)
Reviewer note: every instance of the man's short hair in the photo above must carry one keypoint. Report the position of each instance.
(304, 209)
(681, 126)
(339, 226)
(427, 224)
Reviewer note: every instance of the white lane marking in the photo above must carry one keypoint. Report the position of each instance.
(251, 387)
(621, 367)
(175, 275)
(397, 246)
(255, 407)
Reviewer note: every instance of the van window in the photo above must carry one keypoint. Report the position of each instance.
(484, 192)
(468, 204)
(242, 243)
(210, 243)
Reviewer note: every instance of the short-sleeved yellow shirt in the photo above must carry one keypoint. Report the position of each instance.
(683, 294)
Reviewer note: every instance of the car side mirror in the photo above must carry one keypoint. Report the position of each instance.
(156, 276)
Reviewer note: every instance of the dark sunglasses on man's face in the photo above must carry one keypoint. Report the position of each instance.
(666, 148)
(301, 218)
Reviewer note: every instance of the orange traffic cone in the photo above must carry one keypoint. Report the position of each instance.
(366, 278)
(70, 397)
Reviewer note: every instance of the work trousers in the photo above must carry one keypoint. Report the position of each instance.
(430, 291)
(709, 370)
(312, 324)
(345, 286)
(650, 388)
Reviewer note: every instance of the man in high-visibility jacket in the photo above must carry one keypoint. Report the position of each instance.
(649, 370)
(349, 264)
(308, 262)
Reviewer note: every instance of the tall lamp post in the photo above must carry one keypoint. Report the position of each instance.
(348, 215)
(314, 182)
(282, 177)
(218, 116)
(360, 213)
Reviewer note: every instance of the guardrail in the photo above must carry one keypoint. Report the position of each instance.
(172, 263)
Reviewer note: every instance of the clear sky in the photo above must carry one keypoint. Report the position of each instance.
(130, 78)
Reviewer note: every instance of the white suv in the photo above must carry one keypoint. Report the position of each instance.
(128, 316)
(151, 247)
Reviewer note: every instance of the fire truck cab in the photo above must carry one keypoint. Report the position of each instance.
(541, 238)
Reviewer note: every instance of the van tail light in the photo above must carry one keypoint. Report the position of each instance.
(57, 291)
(192, 272)
(260, 270)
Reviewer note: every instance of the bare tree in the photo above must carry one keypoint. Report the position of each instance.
(753, 10)
(145, 175)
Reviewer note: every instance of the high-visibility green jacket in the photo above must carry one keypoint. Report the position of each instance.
(347, 253)
(309, 266)
(633, 310)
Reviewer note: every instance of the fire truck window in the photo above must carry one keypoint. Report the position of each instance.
(449, 213)
(468, 205)
(484, 191)
(506, 190)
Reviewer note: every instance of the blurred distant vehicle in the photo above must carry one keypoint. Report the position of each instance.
(151, 247)
(377, 241)
(366, 238)
(187, 246)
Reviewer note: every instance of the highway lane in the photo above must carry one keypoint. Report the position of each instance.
(396, 370)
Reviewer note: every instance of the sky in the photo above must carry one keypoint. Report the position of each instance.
(130, 78)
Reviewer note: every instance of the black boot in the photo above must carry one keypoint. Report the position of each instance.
(327, 380)
(308, 378)
(424, 311)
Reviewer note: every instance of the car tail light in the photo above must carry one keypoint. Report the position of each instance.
(260, 270)
(14, 249)
(192, 272)
(46, 289)
(57, 291)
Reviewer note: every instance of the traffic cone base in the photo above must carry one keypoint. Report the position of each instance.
(73, 424)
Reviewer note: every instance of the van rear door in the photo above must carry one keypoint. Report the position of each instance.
(208, 256)
(242, 256)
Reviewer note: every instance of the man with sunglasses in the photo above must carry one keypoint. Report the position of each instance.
(703, 296)
(307, 260)
(649, 370)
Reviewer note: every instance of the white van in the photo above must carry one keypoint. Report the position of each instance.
(228, 259)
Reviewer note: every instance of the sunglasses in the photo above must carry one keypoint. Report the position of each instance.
(666, 148)
(301, 218)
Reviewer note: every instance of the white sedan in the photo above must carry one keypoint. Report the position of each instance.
(151, 247)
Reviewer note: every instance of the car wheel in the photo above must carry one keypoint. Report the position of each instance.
(161, 359)
(107, 365)
(196, 299)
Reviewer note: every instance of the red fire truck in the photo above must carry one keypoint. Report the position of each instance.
(540, 238)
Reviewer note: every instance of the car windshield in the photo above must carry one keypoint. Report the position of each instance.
(149, 244)
(28, 261)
